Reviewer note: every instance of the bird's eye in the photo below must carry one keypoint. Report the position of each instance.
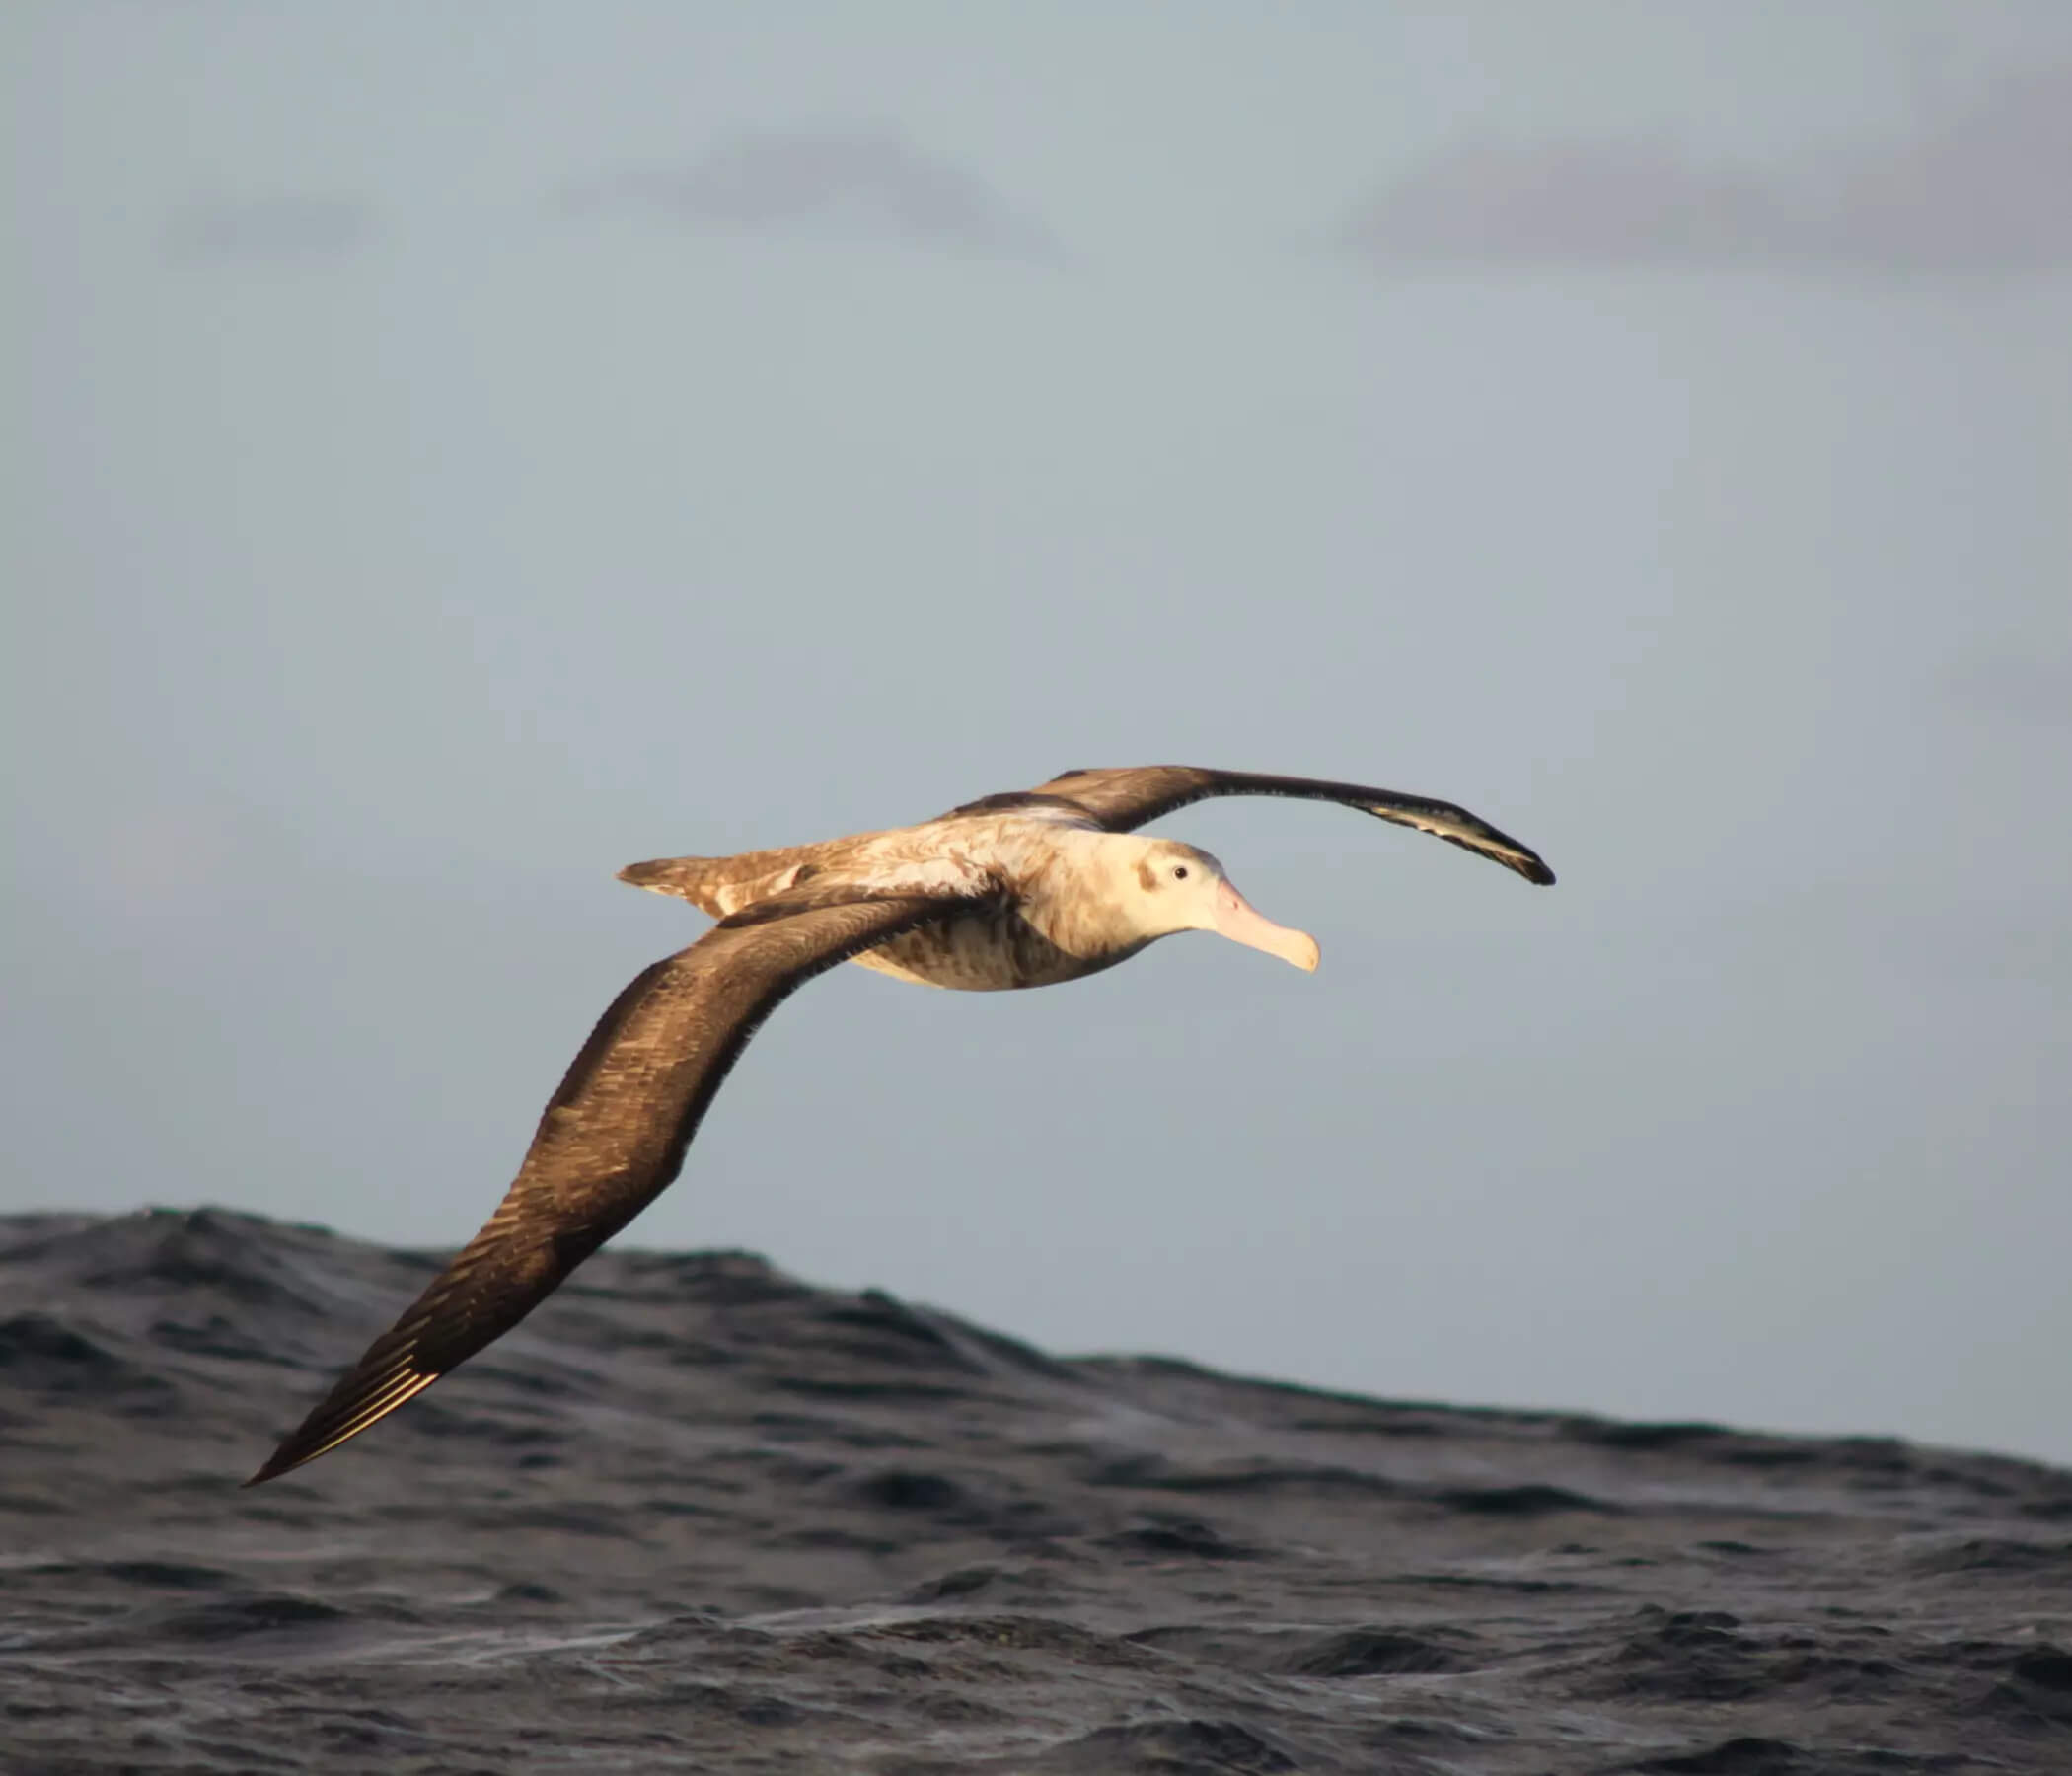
(1179, 872)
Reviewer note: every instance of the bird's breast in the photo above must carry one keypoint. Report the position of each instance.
(982, 952)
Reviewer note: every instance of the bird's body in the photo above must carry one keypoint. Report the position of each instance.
(1028, 889)
(1027, 912)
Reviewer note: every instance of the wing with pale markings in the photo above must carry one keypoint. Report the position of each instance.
(1125, 798)
(612, 1139)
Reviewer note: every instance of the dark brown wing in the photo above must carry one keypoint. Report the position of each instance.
(1128, 796)
(612, 1139)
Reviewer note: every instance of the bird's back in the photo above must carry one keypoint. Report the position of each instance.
(988, 949)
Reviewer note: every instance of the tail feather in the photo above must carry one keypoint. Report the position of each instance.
(698, 880)
(720, 885)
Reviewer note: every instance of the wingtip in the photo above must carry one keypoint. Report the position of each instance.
(335, 1422)
(290, 1455)
(277, 1464)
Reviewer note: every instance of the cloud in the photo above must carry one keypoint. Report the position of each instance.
(1983, 191)
(282, 228)
(851, 181)
(1991, 190)
(1589, 202)
(2012, 686)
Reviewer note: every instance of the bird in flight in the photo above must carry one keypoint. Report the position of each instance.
(1026, 889)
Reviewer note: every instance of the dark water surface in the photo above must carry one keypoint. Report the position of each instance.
(696, 1515)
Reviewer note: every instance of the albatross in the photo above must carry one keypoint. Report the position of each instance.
(1027, 889)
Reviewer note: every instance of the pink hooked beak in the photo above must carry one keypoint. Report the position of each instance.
(1236, 918)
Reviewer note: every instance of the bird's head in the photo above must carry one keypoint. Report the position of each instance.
(1165, 886)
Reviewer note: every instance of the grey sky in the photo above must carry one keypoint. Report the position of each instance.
(369, 604)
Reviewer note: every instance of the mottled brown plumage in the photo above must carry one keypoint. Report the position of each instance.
(1026, 889)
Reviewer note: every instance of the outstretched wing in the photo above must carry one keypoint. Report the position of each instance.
(612, 1139)
(1128, 796)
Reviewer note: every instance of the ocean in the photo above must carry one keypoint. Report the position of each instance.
(699, 1515)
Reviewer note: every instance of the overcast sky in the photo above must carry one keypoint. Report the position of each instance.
(458, 450)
